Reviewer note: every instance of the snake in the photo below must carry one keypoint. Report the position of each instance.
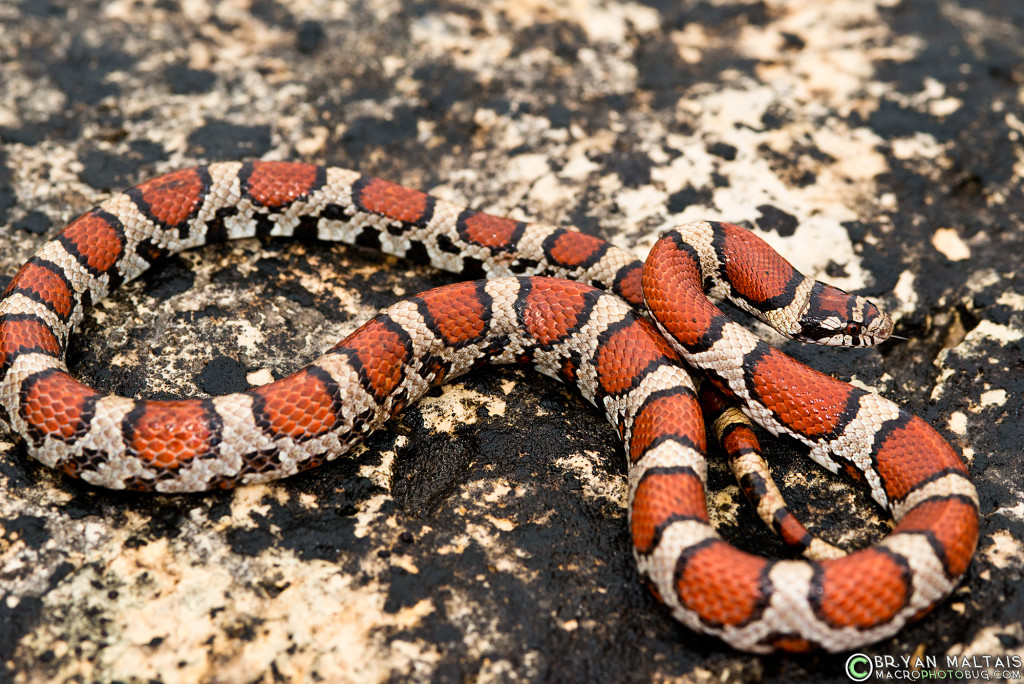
(627, 334)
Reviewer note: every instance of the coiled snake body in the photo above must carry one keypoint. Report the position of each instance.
(567, 326)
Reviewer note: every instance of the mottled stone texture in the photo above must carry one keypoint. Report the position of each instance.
(482, 535)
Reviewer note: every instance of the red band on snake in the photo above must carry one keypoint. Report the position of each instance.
(565, 325)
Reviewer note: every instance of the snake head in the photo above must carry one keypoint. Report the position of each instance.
(837, 318)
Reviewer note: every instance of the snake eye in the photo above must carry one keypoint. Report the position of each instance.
(853, 329)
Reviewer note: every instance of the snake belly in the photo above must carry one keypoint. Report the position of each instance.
(547, 301)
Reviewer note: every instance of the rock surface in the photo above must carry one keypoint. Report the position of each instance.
(482, 536)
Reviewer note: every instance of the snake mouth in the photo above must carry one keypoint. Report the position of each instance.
(850, 335)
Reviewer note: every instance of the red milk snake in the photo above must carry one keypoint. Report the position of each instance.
(572, 329)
